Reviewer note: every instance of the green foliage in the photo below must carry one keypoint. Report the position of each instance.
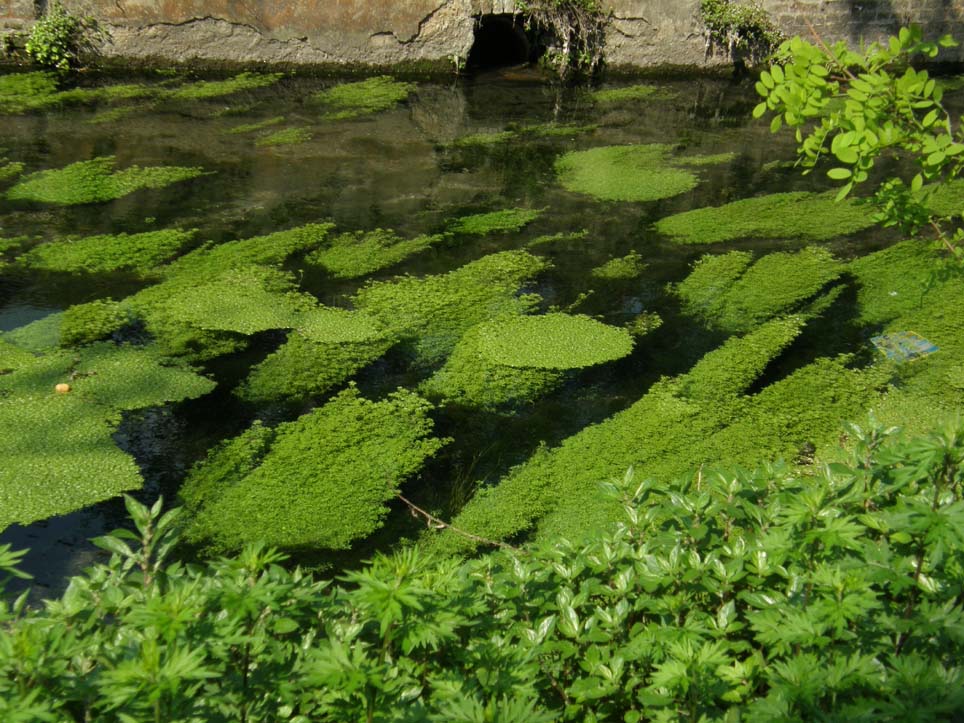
(205, 89)
(728, 293)
(724, 595)
(136, 253)
(797, 215)
(352, 255)
(432, 313)
(631, 93)
(365, 97)
(509, 219)
(625, 267)
(860, 108)
(286, 137)
(625, 173)
(95, 181)
(745, 31)
(576, 31)
(85, 323)
(57, 39)
(323, 482)
(257, 126)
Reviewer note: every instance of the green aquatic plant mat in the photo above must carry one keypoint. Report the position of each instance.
(57, 452)
(13, 357)
(624, 173)
(552, 341)
(365, 97)
(86, 323)
(631, 93)
(504, 221)
(896, 280)
(797, 215)
(205, 89)
(257, 125)
(483, 140)
(321, 481)
(95, 181)
(302, 368)
(10, 169)
(136, 253)
(24, 92)
(353, 255)
(715, 159)
(338, 326)
(433, 312)
(623, 268)
(726, 298)
(285, 137)
(557, 238)
(37, 336)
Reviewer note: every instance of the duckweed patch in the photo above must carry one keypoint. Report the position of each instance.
(619, 269)
(286, 137)
(624, 173)
(364, 97)
(135, 253)
(86, 323)
(95, 181)
(322, 480)
(504, 221)
(352, 255)
(802, 215)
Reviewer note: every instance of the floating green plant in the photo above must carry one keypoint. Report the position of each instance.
(257, 126)
(364, 97)
(204, 89)
(95, 181)
(352, 255)
(86, 323)
(432, 313)
(728, 293)
(631, 93)
(714, 159)
(10, 170)
(13, 357)
(622, 268)
(286, 137)
(23, 92)
(624, 173)
(136, 253)
(778, 215)
(322, 480)
(504, 221)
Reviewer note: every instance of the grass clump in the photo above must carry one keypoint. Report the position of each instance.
(504, 221)
(729, 293)
(433, 312)
(95, 181)
(257, 126)
(802, 215)
(134, 253)
(364, 97)
(205, 89)
(86, 323)
(322, 480)
(285, 137)
(619, 269)
(352, 255)
(624, 173)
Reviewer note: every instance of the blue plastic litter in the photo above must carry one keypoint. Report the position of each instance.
(903, 346)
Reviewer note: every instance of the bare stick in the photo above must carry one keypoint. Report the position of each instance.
(438, 524)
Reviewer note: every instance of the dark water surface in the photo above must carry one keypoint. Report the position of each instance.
(398, 169)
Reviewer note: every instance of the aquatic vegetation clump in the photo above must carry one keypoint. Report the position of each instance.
(86, 323)
(57, 451)
(24, 92)
(552, 341)
(286, 137)
(10, 170)
(95, 181)
(13, 357)
(204, 89)
(38, 336)
(714, 159)
(352, 255)
(432, 313)
(624, 173)
(365, 97)
(812, 216)
(631, 93)
(257, 126)
(138, 253)
(728, 293)
(484, 139)
(504, 221)
(322, 480)
(619, 269)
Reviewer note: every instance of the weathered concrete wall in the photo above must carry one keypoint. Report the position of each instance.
(643, 33)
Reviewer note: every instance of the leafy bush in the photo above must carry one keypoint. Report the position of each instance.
(57, 39)
(745, 31)
(722, 595)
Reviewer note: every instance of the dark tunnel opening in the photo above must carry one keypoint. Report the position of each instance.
(500, 41)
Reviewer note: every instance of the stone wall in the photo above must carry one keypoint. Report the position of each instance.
(643, 33)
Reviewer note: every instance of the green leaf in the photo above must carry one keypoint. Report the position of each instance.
(839, 174)
(759, 110)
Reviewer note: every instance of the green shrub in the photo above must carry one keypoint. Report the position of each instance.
(324, 481)
(137, 253)
(57, 39)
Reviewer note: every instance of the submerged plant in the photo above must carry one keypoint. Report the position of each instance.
(352, 255)
(205, 89)
(95, 181)
(257, 125)
(631, 93)
(322, 480)
(86, 323)
(509, 219)
(286, 137)
(10, 169)
(625, 267)
(137, 253)
(365, 97)
(22, 92)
